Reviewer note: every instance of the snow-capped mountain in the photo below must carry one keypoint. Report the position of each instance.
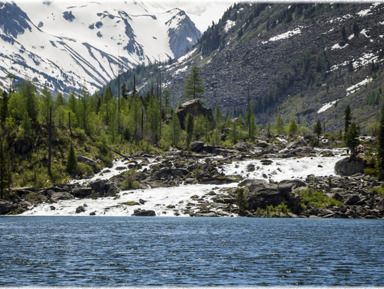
(69, 45)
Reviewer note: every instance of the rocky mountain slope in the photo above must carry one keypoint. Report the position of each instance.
(67, 45)
(304, 61)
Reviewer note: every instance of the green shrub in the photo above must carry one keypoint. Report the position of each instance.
(271, 211)
(371, 172)
(129, 182)
(379, 190)
(83, 170)
(241, 199)
(312, 198)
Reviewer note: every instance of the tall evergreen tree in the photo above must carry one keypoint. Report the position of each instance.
(189, 127)
(72, 102)
(28, 90)
(153, 112)
(3, 171)
(347, 118)
(279, 126)
(175, 129)
(4, 108)
(317, 130)
(253, 127)
(380, 148)
(292, 128)
(194, 87)
(218, 117)
(47, 104)
(352, 138)
(72, 161)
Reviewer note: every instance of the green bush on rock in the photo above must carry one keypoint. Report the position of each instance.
(315, 199)
(129, 182)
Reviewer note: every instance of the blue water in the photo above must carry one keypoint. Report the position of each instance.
(129, 251)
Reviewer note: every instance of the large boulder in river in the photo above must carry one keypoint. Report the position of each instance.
(144, 213)
(262, 194)
(6, 207)
(59, 196)
(104, 188)
(197, 146)
(195, 108)
(350, 166)
(243, 146)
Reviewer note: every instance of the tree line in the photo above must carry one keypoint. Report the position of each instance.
(45, 133)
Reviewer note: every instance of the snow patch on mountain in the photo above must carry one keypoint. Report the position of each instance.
(285, 35)
(229, 25)
(352, 89)
(70, 45)
(327, 106)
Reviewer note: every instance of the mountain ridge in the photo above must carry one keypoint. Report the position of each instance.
(68, 46)
(303, 61)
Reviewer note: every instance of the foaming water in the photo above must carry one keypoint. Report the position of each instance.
(192, 252)
(174, 201)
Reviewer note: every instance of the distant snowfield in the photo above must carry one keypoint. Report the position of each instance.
(327, 106)
(90, 49)
(175, 200)
(285, 35)
(357, 86)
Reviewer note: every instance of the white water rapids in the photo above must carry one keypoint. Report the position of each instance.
(174, 201)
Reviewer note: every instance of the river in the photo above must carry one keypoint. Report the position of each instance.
(175, 201)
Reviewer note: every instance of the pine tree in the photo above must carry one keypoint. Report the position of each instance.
(234, 133)
(352, 138)
(154, 117)
(59, 101)
(72, 161)
(189, 127)
(347, 118)
(318, 130)
(4, 108)
(28, 90)
(380, 148)
(218, 116)
(3, 171)
(279, 126)
(253, 129)
(72, 102)
(194, 87)
(292, 128)
(47, 104)
(175, 129)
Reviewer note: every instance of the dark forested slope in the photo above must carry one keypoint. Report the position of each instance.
(292, 58)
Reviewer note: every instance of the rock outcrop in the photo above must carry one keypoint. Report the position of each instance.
(195, 108)
(350, 166)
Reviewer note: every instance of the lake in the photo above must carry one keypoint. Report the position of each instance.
(163, 251)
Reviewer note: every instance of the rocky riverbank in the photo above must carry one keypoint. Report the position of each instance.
(244, 180)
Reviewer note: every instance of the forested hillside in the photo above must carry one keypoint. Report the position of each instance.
(264, 70)
(303, 61)
(45, 140)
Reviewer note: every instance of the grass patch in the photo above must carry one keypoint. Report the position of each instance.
(315, 199)
(379, 190)
(272, 211)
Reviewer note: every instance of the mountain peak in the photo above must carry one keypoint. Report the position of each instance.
(64, 45)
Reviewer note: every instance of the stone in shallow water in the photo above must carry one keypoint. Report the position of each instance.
(144, 213)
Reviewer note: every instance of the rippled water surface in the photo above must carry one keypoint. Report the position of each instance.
(129, 251)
